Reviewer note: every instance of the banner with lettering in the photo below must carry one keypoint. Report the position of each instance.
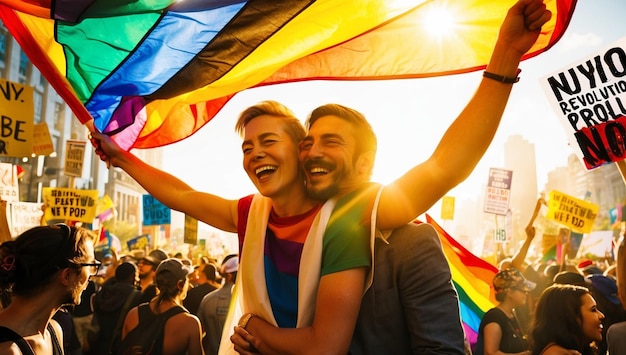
(18, 117)
(74, 157)
(24, 216)
(42, 140)
(9, 186)
(154, 212)
(589, 97)
(69, 204)
(577, 214)
(498, 191)
(139, 243)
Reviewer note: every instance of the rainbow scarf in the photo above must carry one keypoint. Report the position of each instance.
(153, 72)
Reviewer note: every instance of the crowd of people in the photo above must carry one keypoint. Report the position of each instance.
(328, 262)
(556, 307)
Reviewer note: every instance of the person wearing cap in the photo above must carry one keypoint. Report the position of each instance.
(214, 306)
(147, 269)
(500, 331)
(182, 332)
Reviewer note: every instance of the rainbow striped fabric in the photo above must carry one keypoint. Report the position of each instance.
(472, 278)
(153, 72)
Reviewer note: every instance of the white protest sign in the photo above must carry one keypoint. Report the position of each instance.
(589, 97)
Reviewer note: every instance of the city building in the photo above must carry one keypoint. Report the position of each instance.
(47, 171)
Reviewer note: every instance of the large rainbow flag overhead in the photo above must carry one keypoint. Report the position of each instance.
(153, 72)
(472, 278)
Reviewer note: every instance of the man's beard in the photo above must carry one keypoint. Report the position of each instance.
(70, 299)
(323, 194)
(331, 190)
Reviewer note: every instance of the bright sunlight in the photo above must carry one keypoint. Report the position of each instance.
(439, 21)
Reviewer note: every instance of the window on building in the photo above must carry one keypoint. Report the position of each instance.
(38, 103)
(42, 80)
(4, 42)
(23, 68)
(59, 116)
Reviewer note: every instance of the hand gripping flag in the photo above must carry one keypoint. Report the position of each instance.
(153, 72)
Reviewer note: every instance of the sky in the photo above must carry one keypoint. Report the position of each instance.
(409, 116)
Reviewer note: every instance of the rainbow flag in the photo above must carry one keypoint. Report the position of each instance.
(153, 72)
(472, 278)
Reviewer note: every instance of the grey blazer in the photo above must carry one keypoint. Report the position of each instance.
(412, 306)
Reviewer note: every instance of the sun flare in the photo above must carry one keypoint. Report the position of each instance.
(439, 21)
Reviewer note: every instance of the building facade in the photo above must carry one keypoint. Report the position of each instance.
(47, 171)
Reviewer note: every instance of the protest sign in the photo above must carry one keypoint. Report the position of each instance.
(24, 216)
(589, 97)
(498, 191)
(42, 140)
(191, 230)
(577, 214)
(74, 156)
(154, 212)
(139, 243)
(69, 204)
(447, 207)
(18, 116)
(9, 187)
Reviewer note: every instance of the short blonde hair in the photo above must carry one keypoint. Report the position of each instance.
(293, 126)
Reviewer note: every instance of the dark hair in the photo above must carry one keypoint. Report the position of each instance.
(29, 262)
(558, 319)
(167, 283)
(366, 138)
(209, 271)
(125, 272)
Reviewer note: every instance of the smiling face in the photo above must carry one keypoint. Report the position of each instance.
(82, 275)
(270, 157)
(591, 318)
(327, 155)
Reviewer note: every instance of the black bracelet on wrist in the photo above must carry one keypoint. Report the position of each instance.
(502, 79)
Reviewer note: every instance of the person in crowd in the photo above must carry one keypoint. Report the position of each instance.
(147, 269)
(71, 344)
(206, 276)
(616, 338)
(44, 268)
(271, 138)
(567, 321)
(214, 306)
(182, 333)
(82, 313)
(604, 291)
(500, 331)
(412, 294)
(512, 45)
(588, 267)
(524, 312)
(337, 156)
(111, 304)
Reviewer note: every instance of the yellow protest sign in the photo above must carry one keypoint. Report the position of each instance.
(447, 207)
(191, 230)
(42, 140)
(18, 116)
(572, 212)
(70, 204)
